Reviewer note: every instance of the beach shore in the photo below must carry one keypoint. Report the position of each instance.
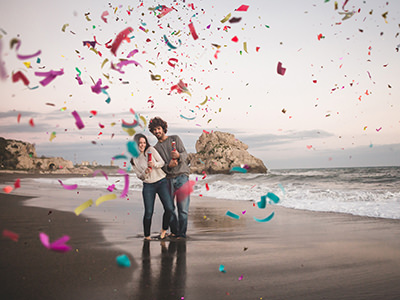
(296, 255)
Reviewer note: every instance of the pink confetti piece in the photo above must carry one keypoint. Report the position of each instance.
(78, 78)
(309, 147)
(3, 71)
(97, 87)
(49, 76)
(207, 187)
(123, 63)
(126, 187)
(8, 189)
(378, 129)
(104, 15)
(240, 278)
(193, 31)
(118, 40)
(19, 118)
(110, 188)
(11, 235)
(58, 245)
(235, 39)
(243, 8)
(164, 12)
(20, 76)
(31, 122)
(281, 70)
(78, 120)
(185, 190)
(100, 171)
(21, 56)
(132, 53)
(17, 183)
(68, 187)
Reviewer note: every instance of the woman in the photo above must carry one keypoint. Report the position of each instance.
(148, 169)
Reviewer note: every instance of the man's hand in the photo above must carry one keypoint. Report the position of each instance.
(148, 171)
(150, 164)
(173, 163)
(175, 154)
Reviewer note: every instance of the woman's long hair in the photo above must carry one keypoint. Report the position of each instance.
(138, 136)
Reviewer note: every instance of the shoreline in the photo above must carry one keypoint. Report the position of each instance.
(298, 254)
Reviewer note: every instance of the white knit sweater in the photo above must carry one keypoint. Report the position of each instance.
(140, 166)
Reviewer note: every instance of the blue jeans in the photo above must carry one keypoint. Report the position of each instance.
(182, 204)
(149, 195)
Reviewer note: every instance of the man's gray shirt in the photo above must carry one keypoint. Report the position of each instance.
(165, 148)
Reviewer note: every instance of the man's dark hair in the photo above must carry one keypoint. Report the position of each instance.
(155, 122)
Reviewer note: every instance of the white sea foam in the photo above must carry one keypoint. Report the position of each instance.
(373, 192)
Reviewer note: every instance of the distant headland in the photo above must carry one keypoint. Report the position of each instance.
(216, 153)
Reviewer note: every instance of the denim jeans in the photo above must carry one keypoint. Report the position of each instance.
(182, 204)
(149, 195)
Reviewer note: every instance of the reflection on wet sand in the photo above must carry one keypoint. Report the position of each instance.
(165, 279)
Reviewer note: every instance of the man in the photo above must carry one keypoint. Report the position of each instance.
(174, 154)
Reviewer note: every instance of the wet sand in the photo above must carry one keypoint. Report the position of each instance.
(296, 255)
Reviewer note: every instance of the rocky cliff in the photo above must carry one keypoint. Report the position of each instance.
(218, 152)
(18, 155)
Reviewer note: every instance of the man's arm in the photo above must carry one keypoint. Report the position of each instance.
(181, 150)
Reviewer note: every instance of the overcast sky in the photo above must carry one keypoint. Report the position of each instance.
(337, 105)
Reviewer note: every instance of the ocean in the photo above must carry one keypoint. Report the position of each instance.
(372, 191)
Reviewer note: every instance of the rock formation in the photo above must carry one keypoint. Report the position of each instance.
(18, 155)
(218, 152)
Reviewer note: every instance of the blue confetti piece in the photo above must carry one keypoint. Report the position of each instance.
(120, 157)
(263, 202)
(238, 169)
(232, 215)
(222, 269)
(273, 197)
(133, 148)
(123, 261)
(266, 219)
(281, 187)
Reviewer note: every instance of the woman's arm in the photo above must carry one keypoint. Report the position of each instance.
(141, 174)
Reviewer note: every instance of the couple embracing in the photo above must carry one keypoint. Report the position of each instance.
(163, 170)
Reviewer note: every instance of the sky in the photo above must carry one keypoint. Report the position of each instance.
(336, 105)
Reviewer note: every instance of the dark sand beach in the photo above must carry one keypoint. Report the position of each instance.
(297, 255)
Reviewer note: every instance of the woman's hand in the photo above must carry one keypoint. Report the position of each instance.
(148, 171)
(150, 164)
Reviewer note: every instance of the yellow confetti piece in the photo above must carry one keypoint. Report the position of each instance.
(104, 62)
(63, 108)
(83, 206)
(105, 198)
(94, 50)
(129, 131)
(52, 136)
(64, 26)
(245, 47)
(226, 18)
(205, 101)
(27, 64)
(144, 120)
(113, 124)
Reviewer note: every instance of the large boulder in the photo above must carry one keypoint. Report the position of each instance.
(218, 152)
(18, 155)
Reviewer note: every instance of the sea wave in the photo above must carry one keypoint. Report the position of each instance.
(373, 192)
